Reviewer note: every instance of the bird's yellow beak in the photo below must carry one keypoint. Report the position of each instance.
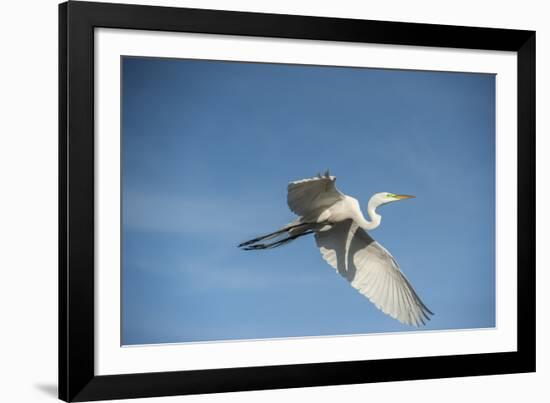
(400, 197)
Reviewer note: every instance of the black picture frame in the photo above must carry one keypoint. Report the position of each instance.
(77, 379)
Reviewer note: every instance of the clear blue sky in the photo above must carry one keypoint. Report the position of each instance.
(208, 150)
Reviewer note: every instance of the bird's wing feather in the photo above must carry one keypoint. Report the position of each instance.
(309, 195)
(372, 270)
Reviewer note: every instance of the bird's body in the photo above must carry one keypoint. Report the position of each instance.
(340, 230)
(345, 209)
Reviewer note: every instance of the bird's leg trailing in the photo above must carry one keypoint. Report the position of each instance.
(277, 243)
(294, 231)
(273, 234)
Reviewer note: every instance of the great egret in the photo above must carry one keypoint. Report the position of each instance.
(341, 234)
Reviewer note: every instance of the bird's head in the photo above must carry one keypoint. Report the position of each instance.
(382, 198)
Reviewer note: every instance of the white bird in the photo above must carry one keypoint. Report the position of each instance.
(341, 234)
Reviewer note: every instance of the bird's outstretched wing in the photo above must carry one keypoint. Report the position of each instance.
(309, 195)
(372, 270)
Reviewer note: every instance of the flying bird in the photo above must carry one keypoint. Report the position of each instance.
(340, 231)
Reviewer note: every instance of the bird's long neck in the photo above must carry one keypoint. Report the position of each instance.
(374, 217)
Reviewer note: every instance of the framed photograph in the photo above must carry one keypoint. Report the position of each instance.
(258, 201)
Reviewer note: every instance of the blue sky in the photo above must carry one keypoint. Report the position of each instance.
(208, 150)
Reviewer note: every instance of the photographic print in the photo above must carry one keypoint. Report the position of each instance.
(252, 201)
(264, 200)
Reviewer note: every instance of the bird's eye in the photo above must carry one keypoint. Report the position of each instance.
(390, 195)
